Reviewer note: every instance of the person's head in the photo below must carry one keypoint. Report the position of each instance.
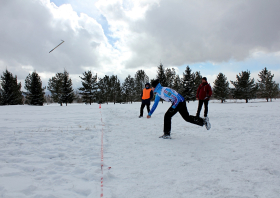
(154, 84)
(147, 85)
(204, 79)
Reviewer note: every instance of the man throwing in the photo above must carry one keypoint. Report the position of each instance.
(178, 105)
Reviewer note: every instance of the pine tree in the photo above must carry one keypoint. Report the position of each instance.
(188, 89)
(268, 87)
(89, 87)
(140, 80)
(101, 91)
(221, 88)
(35, 91)
(114, 88)
(128, 89)
(118, 92)
(244, 87)
(10, 93)
(55, 87)
(61, 89)
(170, 75)
(161, 76)
(1, 93)
(177, 84)
(67, 95)
(197, 80)
(106, 81)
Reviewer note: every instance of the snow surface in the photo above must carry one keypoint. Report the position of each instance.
(55, 151)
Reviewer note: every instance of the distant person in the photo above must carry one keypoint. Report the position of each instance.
(203, 94)
(146, 96)
(178, 104)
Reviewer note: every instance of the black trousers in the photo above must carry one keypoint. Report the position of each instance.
(200, 103)
(182, 109)
(142, 108)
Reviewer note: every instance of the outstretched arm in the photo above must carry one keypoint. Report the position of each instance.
(154, 106)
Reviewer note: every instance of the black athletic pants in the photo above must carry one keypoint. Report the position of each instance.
(200, 103)
(142, 107)
(182, 108)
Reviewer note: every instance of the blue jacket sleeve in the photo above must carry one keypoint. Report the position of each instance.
(155, 105)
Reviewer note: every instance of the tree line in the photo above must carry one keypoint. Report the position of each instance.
(109, 88)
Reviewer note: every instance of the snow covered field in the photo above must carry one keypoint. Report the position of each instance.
(55, 152)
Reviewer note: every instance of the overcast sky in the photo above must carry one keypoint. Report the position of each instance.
(122, 36)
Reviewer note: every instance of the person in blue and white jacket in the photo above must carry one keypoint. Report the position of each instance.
(178, 105)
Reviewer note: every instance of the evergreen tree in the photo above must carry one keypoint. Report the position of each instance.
(104, 87)
(106, 81)
(67, 95)
(1, 93)
(221, 88)
(244, 87)
(268, 87)
(188, 89)
(114, 88)
(61, 89)
(170, 75)
(118, 92)
(140, 80)
(177, 86)
(197, 80)
(10, 92)
(101, 90)
(89, 87)
(161, 76)
(128, 89)
(55, 87)
(35, 91)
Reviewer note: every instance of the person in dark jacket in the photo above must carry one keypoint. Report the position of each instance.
(146, 96)
(203, 94)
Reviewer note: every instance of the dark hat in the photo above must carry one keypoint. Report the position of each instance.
(155, 83)
(204, 78)
(148, 85)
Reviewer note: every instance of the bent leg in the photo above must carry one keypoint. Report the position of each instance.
(167, 120)
(189, 118)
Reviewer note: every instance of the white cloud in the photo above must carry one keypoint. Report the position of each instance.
(33, 28)
(181, 32)
(145, 32)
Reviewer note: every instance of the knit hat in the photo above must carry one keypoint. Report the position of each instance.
(204, 78)
(148, 85)
(155, 83)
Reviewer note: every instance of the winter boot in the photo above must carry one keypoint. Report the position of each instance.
(165, 136)
(207, 123)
